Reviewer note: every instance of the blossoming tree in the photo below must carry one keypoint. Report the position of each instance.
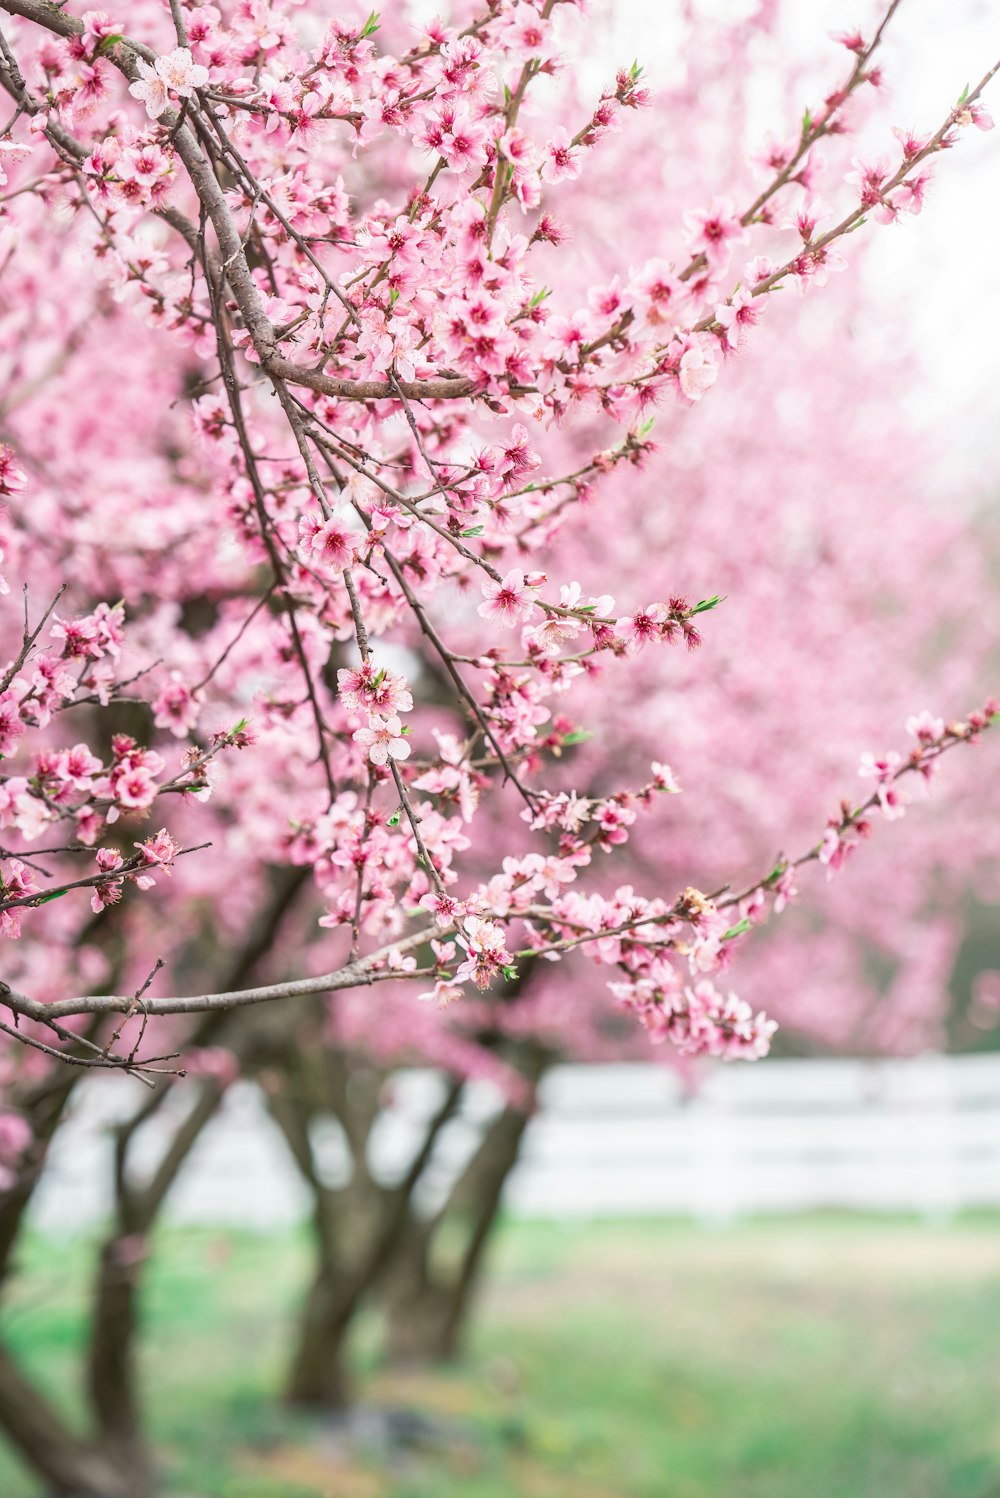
(306, 398)
(376, 501)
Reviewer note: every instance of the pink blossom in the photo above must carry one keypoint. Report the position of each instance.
(175, 72)
(656, 292)
(382, 692)
(12, 153)
(79, 766)
(150, 88)
(881, 768)
(98, 24)
(176, 707)
(735, 317)
(442, 994)
(561, 157)
(383, 738)
(867, 178)
(774, 155)
(517, 458)
(785, 891)
(714, 231)
(524, 33)
(16, 884)
(664, 778)
(852, 40)
(974, 114)
(925, 727)
(642, 627)
(134, 787)
(453, 777)
(761, 268)
(387, 347)
(508, 602)
(11, 726)
(159, 851)
(109, 891)
(330, 543)
(698, 371)
(12, 478)
(485, 946)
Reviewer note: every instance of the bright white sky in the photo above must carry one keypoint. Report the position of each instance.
(942, 268)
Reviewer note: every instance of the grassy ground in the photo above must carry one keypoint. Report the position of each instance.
(815, 1358)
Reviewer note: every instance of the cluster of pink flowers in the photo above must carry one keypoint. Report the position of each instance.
(156, 852)
(698, 1019)
(71, 792)
(366, 426)
(382, 695)
(845, 831)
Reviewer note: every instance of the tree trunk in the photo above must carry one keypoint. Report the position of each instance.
(117, 1461)
(112, 1377)
(71, 1466)
(419, 1323)
(427, 1306)
(319, 1377)
(358, 1230)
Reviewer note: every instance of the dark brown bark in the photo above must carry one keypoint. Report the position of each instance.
(419, 1318)
(359, 1228)
(113, 1382)
(427, 1303)
(67, 1463)
(43, 1104)
(117, 1462)
(43, 1110)
(112, 1377)
(319, 1375)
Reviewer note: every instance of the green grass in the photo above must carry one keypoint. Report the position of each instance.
(823, 1357)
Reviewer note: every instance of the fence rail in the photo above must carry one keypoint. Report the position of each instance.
(919, 1135)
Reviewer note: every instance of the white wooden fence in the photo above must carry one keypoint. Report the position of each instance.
(920, 1135)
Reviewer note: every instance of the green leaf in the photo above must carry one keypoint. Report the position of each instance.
(474, 530)
(737, 930)
(510, 972)
(56, 894)
(807, 122)
(371, 25)
(577, 736)
(706, 604)
(539, 297)
(394, 820)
